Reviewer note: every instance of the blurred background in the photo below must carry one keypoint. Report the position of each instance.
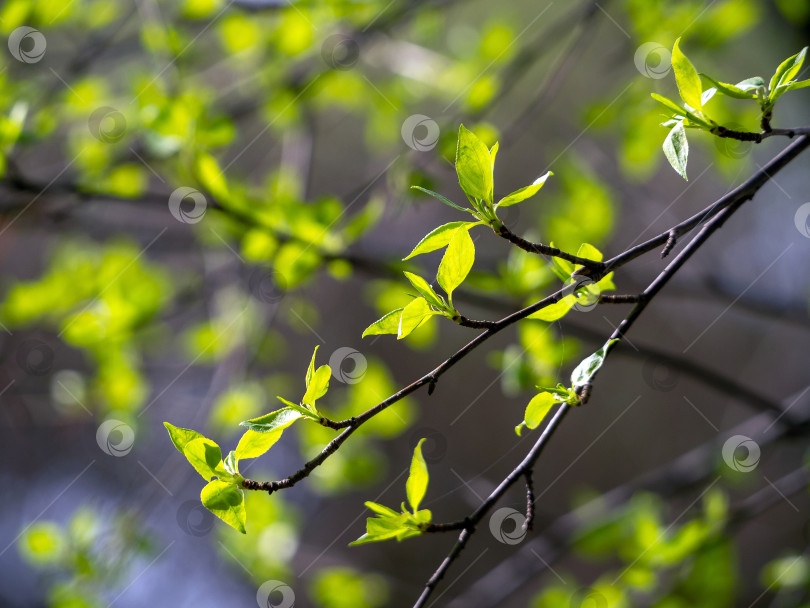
(195, 194)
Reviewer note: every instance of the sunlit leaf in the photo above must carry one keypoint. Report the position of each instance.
(473, 165)
(226, 501)
(417, 482)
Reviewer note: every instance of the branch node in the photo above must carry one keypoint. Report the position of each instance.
(672, 239)
(584, 393)
(432, 385)
(529, 500)
(620, 298)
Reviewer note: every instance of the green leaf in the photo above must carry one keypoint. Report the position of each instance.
(538, 408)
(206, 458)
(589, 252)
(226, 501)
(280, 419)
(413, 315)
(556, 311)
(180, 436)
(381, 510)
(562, 268)
(799, 84)
(299, 408)
(473, 165)
(755, 82)
(457, 261)
(686, 77)
(380, 529)
(254, 444)
(524, 193)
(202, 453)
(416, 486)
(443, 199)
(311, 368)
(680, 111)
(422, 286)
(318, 385)
(232, 463)
(589, 366)
(786, 71)
(388, 324)
(439, 238)
(676, 149)
(493, 152)
(730, 90)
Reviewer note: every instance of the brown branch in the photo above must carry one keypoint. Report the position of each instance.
(539, 248)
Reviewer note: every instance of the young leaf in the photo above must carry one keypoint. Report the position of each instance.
(786, 71)
(686, 77)
(206, 458)
(679, 111)
(588, 251)
(589, 366)
(797, 84)
(416, 486)
(299, 408)
(556, 311)
(538, 408)
(443, 199)
(382, 528)
(232, 464)
(421, 285)
(280, 419)
(524, 193)
(749, 84)
(676, 149)
(226, 501)
(439, 238)
(388, 324)
(562, 268)
(180, 436)
(318, 385)
(381, 510)
(730, 90)
(493, 152)
(253, 444)
(413, 315)
(311, 368)
(457, 261)
(473, 165)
